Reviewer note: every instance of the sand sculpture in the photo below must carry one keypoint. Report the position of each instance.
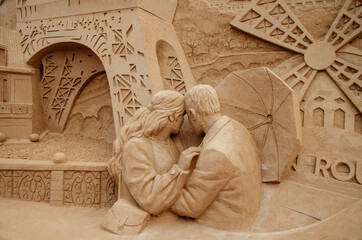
(73, 73)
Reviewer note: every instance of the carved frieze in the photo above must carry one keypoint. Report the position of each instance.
(25, 185)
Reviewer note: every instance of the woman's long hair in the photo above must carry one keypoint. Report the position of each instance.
(147, 122)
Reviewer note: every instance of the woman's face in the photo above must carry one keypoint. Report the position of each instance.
(177, 123)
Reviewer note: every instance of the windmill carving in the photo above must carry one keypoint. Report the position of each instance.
(273, 21)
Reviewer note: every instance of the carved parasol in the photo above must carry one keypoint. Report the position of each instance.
(269, 109)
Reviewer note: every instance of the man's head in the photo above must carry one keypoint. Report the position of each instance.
(201, 101)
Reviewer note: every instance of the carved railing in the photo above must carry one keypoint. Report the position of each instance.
(72, 183)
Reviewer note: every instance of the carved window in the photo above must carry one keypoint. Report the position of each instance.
(318, 117)
(339, 118)
(4, 89)
(358, 123)
(3, 56)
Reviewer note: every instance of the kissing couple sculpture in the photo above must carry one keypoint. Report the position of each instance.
(217, 183)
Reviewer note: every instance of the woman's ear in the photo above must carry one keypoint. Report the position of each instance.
(172, 117)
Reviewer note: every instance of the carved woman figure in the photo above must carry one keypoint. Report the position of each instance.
(153, 170)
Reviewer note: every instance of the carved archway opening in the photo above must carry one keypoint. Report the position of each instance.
(170, 67)
(66, 68)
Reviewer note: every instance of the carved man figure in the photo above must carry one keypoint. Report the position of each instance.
(224, 189)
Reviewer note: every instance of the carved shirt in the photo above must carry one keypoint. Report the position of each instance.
(224, 189)
(150, 173)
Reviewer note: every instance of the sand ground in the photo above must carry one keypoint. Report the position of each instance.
(76, 148)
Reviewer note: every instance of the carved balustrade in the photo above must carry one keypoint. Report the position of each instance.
(73, 183)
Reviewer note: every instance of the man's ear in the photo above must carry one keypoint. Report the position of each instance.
(172, 117)
(192, 113)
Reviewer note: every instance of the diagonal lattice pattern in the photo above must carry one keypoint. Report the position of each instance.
(175, 78)
(66, 86)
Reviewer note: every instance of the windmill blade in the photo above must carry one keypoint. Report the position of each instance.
(273, 21)
(347, 24)
(348, 77)
(300, 78)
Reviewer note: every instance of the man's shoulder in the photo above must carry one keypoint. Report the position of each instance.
(228, 132)
(214, 160)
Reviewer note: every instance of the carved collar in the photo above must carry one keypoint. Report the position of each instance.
(215, 129)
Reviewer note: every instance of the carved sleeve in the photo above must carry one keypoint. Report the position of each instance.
(154, 192)
(211, 174)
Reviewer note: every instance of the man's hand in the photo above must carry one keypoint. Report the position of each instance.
(186, 157)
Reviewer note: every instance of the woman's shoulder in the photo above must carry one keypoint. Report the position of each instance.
(138, 142)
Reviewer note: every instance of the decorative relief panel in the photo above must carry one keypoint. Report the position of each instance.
(5, 108)
(82, 188)
(15, 109)
(32, 185)
(19, 108)
(25, 185)
(5, 183)
(79, 188)
(108, 189)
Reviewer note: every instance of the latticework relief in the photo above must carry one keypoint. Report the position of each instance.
(113, 36)
(130, 83)
(300, 6)
(67, 84)
(64, 75)
(170, 67)
(175, 77)
(126, 95)
(48, 78)
(25, 185)
(273, 21)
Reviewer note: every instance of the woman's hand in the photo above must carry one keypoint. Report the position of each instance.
(186, 157)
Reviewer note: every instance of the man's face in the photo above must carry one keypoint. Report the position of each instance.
(195, 122)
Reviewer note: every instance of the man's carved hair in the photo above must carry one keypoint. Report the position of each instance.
(203, 98)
